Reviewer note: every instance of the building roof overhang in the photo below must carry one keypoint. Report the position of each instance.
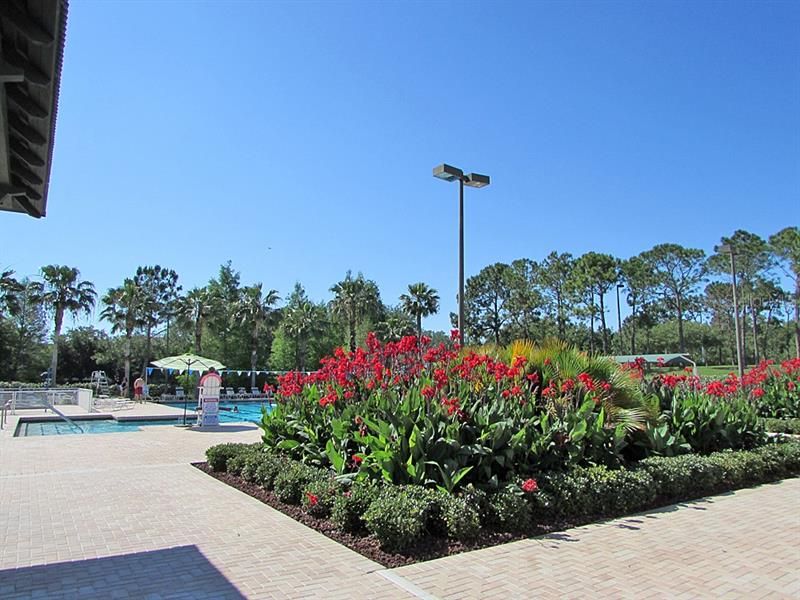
(32, 34)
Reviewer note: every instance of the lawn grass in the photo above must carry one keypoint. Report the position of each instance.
(709, 372)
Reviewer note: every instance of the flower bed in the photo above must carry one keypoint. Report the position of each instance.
(774, 390)
(408, 413)
(399, 524)
(424, 450)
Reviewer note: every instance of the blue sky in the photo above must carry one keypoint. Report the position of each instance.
(297, 139)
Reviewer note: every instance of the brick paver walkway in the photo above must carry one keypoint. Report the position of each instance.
(740, 545)
(124, 516)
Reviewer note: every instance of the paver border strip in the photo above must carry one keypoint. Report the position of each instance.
(406, 585)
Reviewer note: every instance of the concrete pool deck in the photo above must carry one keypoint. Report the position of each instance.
(124, 515)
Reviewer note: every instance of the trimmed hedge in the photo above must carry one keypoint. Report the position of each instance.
(218, 456)
(783, 426)
(401, 515)
(349, 507)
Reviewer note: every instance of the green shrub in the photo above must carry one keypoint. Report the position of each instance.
(268, 468)
(396, 518)
(682, 477)
(561, 495)
(319, 495)
(509, 509)
(461, 517)
(292, 480)
(236, 463)
(252, 461)
(478, 499)
(430, 502)
(781, 458)
(218, 455)
(349, 507)
(738, 469)
(783, 425)
(619, 491)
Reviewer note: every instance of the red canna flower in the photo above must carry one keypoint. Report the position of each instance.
(313, 499)
(529, 486)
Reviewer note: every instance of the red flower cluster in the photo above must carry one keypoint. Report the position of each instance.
(453, 407)
(754, 382)
(529, 486)
(313, 499)
(440, 372)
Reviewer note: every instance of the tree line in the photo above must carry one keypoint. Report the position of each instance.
(678, 299)
(150, 316)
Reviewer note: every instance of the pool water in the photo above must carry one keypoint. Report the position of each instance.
(247, 411)
(93, 426)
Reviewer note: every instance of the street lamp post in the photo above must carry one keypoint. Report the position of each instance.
(728, 249)
(450, 174)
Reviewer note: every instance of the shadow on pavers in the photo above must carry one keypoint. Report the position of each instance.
(222, 428)
(181, 572)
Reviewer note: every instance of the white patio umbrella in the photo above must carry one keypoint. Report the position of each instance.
(188, 362)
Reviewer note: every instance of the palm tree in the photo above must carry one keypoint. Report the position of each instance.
(194, 308)
(10, 289)
(157, 287)
(122, 310)
(302, 322)
(61, 293)
(353, 300)
(255, 311)
(421, 301)
(396, 324)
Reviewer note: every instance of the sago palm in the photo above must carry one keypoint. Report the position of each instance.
(62, 292)
(421, 301)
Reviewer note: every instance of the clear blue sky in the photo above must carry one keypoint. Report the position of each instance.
(193, 133)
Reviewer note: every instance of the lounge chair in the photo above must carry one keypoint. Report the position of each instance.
(242, 393)
(228, 394)
(255, 392)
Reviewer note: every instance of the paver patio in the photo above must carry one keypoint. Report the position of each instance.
(123, 515)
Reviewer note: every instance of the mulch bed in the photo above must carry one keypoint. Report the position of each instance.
(368, 546)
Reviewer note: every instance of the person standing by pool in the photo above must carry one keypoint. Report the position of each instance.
(138, 388)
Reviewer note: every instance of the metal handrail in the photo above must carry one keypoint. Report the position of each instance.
(49, 402)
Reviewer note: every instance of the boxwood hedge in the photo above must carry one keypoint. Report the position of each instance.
(400, 515)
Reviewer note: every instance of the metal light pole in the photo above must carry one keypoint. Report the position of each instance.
(449, 173)
(727, 248)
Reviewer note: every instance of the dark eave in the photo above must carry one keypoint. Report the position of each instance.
(32, 34)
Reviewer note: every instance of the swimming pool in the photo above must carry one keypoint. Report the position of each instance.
(247, 411)
(29, 428)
